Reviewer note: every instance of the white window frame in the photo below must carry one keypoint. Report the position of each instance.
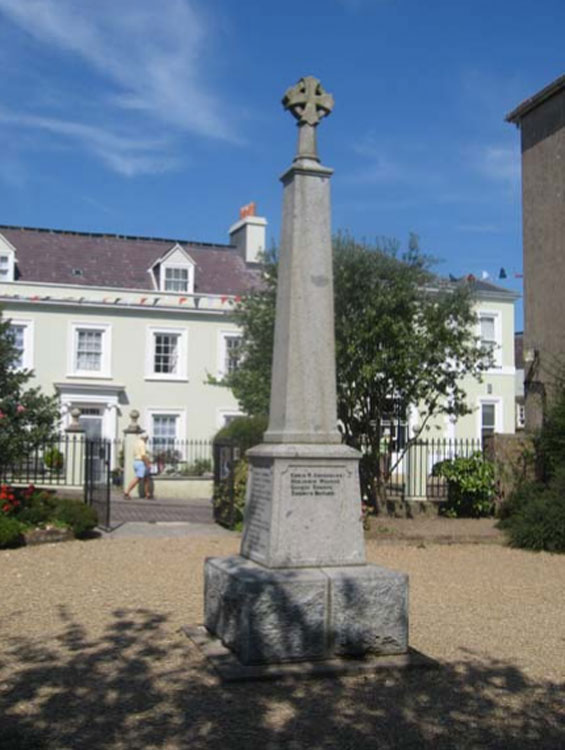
(106, 356)
(520, 416)
(498, 414)
(173, 267)
(29, 338)
(166, 411)
(182, 353)
(8, 251)
(497, 352)
(222, 349)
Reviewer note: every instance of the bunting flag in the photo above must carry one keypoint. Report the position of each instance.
(142, 300)
(223, 299)
(452, 277)
(156, 300)
(485, 275)
(196, 301)
(237, 298)
(502, 274)
(182, 300)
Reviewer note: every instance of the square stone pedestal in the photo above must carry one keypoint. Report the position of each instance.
(266, 615)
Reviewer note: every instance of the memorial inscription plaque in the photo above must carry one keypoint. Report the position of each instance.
(258, 510)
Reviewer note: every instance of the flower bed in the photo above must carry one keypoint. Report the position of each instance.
(32, 516)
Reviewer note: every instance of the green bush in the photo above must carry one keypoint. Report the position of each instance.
(36, 507)
(244, 432)
(53, 459)
(197, 468)
(471, 486)
(534, 515)
(10, 531)
(76, 515)
(223, 513)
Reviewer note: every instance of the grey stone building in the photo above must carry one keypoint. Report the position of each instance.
(541, 120)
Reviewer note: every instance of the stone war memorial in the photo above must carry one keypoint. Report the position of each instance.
(300, 590)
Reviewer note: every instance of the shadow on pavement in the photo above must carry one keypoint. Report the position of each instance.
(142, 684)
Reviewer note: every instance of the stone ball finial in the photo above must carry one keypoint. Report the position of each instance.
(133, 426)
(308, 101)
(75, 425)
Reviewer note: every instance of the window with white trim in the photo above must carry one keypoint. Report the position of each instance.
(4, 268)
(488, 419)
(90, 347)
(520, 416)
(166, 358)
(176, 279)
(490, 335)
(166, 353)
(7, 260)
(22, 337)
(229, 353)
(164, 430)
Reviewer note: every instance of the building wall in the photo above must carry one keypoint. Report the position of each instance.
(543, 207)
(201, 407)
(498, 385)
(128, 384)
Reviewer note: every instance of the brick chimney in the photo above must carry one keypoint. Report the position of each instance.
(249, 234)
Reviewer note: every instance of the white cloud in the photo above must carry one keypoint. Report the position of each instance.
(150, 52)
(147, 65)
(123, 154)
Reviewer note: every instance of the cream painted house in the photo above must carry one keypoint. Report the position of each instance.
(113, 323)
(493, 399)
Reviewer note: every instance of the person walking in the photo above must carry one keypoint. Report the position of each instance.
(141, 464)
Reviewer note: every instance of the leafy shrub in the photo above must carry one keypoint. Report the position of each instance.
(10, 531)
(76, 515)
(37, 508)
(471, 486)
(53, 459)
(244, 432)
(197, 468)
(534, 515)
(223, 513)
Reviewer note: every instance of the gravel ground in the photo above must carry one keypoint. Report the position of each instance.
(92, 655)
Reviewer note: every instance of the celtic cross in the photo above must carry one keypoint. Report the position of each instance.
(308, 102)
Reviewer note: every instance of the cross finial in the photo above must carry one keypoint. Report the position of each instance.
(308, 101)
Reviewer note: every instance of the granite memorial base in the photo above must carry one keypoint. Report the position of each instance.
(266, 615)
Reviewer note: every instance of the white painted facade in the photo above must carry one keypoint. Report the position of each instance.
(122, 336)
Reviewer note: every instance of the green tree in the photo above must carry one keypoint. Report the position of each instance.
(403, 337)
(27, 417)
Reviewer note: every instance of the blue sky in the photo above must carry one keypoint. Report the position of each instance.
(163, 117)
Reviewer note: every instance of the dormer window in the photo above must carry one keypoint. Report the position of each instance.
(174, 271)
(176, 279)
(7, 260)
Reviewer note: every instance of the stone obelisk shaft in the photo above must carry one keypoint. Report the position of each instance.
(303, 386)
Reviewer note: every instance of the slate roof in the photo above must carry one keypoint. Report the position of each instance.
(486, 286)
(48, 255)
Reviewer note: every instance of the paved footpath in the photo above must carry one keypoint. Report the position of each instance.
(161, 518)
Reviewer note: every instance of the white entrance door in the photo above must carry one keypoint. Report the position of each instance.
(91, 421)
